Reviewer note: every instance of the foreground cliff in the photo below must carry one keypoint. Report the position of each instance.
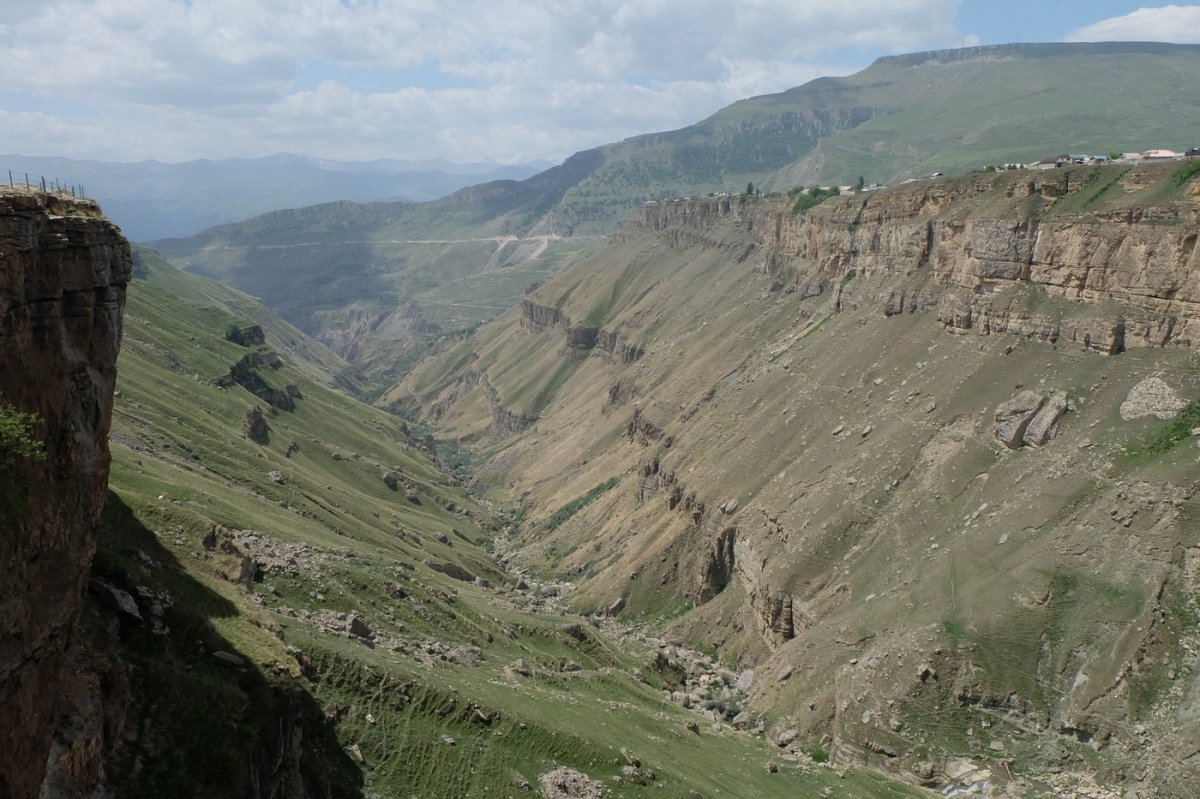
(63, 289)
(922, 459)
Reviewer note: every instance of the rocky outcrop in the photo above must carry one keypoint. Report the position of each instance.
(1029, 418)
(245, 373)
(1017, 269)
(62, 290)
(645, 432)
(539, 318)
(505, 422)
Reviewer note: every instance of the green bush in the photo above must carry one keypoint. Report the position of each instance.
(1186, 172)
(809, 198)
(16, 443)
(16, 437)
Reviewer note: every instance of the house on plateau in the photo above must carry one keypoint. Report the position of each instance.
(1053, 162)
(1192, 153)
(1160, 155)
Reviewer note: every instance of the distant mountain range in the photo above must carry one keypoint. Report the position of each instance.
(346, 273)
(152, 199)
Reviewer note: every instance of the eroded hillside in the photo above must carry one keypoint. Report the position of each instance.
(922, 458)
(291, 595)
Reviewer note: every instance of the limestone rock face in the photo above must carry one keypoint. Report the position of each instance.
(62, 293)
(1134, 270)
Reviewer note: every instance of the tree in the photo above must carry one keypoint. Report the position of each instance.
(750, 189)
(860, 184)
(16, 437)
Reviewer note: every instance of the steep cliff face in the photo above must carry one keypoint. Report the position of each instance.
(965, 247)
(62, 291)
(817, 473)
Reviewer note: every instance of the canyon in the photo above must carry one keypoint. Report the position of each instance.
(829, 461)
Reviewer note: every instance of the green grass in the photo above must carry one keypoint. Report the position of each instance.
(1186, 172)
(811, 198)
(183, 467)
(560, 516)
(1167, 437)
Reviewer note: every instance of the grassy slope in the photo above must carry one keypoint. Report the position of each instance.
(182, 465)
(922, 542)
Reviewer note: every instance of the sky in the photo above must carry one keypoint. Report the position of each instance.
(462, 80)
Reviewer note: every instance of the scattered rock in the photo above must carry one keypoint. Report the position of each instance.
(693, 727)
(228, 658)
(632, 775)
(616, 607)
(391, 480)
(115, 598)
(521, 667)
(359, 628)
(256, 427)
(787, 738)
(451, 570)
(356, 753)
(785, 673)
(730, 507)
(412, 496)
(448, 740)
(276, 477)
(1152, 397)
(567, 783)
(838, 429)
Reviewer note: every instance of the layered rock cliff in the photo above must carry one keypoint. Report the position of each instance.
(964, 247)
(62, 291)
(815, 475)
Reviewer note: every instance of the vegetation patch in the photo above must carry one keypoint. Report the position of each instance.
(17, 442)
(1166, 438)
(579, 503)
(1185, 173)
(803, 199)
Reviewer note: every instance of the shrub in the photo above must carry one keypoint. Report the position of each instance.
(16, 437)
(808, 198)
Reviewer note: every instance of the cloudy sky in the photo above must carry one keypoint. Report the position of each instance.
(465, 80)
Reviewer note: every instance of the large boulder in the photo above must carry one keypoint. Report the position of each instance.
(1013, 417)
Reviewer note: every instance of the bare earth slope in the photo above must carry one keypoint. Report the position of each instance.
(920, 458)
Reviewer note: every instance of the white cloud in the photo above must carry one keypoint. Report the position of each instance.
(1178, 24)
(175, 79)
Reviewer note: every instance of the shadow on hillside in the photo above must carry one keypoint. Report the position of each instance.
(197, 723)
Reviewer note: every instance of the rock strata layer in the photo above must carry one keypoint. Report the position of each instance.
(62, 292)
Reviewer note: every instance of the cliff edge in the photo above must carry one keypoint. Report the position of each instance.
(62, 292)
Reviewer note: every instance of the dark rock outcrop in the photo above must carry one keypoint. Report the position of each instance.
(62, 293)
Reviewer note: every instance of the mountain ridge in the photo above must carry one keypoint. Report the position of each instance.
(903, 116)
